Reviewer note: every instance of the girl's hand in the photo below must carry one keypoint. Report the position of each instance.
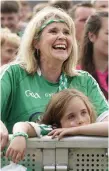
(68, 131)
(56, 132)
(61, 132)
(16, 149)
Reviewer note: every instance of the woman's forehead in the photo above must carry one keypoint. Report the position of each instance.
(57, 25)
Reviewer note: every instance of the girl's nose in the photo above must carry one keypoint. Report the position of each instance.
(80, 121)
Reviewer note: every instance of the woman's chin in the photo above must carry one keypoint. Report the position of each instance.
(61, 58)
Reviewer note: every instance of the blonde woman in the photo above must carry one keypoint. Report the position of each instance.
(46, 65)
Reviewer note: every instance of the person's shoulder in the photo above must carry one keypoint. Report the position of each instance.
(9, 66)
(82, 78)
(82, 74)
(12, 68)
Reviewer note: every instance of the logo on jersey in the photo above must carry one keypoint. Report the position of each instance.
(29, 93)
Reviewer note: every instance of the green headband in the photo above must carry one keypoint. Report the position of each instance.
(50, 22)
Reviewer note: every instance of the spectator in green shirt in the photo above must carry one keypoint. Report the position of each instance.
(46, 64)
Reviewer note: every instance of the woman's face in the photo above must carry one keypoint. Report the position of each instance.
(100, 42)
(76, 114)
(55, 42)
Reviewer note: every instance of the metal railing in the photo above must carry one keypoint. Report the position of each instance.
(77, 153)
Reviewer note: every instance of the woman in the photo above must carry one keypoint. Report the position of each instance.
(94, 49)
(69, 111)
(46, 64)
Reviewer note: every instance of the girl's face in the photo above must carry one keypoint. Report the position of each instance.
(76, 114)
(8, 53)
(55, 42)
(100, 41)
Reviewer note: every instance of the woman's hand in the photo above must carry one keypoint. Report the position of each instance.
(16, 149)
(61, 132)
(4, 138)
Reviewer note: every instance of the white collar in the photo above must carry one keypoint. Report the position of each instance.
(39, 71)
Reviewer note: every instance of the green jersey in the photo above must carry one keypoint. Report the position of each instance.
(23, 95)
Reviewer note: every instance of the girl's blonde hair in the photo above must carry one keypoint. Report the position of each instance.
(58, 104)
(8, 37)
(26, 54)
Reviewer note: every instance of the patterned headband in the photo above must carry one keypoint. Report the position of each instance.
(50, 22)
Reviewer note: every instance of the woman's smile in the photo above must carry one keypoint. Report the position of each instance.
(56, 42)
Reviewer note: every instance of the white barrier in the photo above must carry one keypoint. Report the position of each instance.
(78, 153)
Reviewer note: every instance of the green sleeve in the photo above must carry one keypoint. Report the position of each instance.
(41, 129)
(6, 91)
(45, 129)
(96, 96)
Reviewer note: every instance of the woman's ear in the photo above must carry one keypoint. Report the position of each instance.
(35, 44)
(92, 37)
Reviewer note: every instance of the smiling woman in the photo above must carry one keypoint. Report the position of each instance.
(57, 43)
(45, 65)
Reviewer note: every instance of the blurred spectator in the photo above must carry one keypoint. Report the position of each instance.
(10, 16)
(65, 5)
(94, 49)
(80, 13)
(98, 4)
(10, 43)
(38, 7)
(25, 11)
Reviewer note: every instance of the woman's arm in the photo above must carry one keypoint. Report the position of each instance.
(98, 129)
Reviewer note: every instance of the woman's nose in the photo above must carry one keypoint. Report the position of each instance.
(61, 36)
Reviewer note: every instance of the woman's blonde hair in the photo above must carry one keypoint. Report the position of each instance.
(58, 104)
(27, 51)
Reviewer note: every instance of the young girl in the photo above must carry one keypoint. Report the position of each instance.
(94, 49)
(69, 112)
(10, 43)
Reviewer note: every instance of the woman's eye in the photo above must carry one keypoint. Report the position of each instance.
(53, 31)
(66, 32)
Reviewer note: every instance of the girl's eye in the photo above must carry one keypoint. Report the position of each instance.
(84, 113)
(10, 51)
(71, 117)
